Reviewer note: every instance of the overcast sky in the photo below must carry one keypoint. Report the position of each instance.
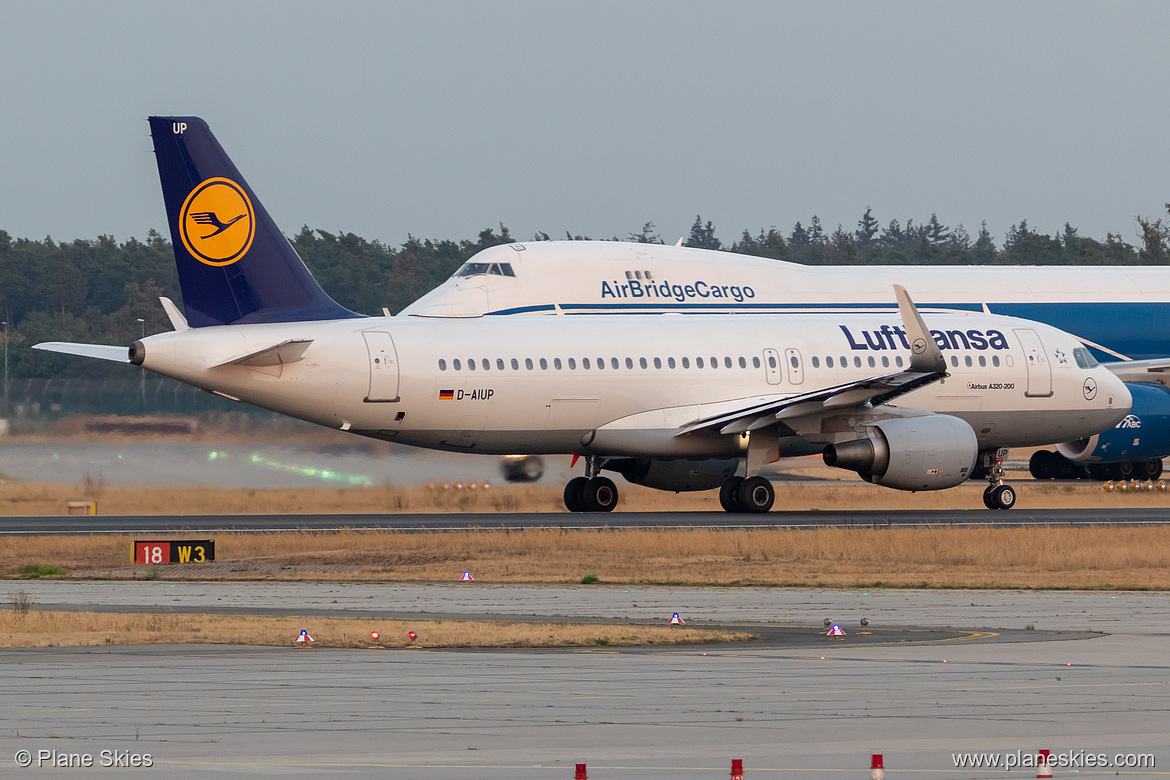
(439, 119)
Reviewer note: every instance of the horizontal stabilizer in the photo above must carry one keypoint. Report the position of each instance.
(99, 351)
(278, 354)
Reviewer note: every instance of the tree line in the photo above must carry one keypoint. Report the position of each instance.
(102, 291)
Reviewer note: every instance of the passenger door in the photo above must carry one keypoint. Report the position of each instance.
(1039, 369)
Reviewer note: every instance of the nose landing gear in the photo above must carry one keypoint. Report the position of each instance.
(997, 495)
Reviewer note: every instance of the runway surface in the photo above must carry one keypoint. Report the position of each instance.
(449, 522)
(666, 714)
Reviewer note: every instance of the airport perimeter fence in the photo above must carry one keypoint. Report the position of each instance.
(36, 403)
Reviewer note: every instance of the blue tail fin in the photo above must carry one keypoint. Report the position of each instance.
(235, 266)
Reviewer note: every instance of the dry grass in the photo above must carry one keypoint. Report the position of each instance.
(30, 498)
(1093, 557)
(83, 629)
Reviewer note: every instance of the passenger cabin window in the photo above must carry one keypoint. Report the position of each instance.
(755, 362)
(471, 364)
(515, 364)
(642, 362)
(528, 363)
(629, 362)
(486, 364)
(455, 363)
(698, 362)
(828, 362)
(500, 363)
(557, 363)
(543, 364)
(816, 361)
(670, 362)
(442, 364)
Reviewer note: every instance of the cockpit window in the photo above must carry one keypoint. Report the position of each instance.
(492, 269)
(1085, 358)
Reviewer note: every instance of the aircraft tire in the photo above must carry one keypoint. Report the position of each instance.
(729, 494)
(1127, 469)
(1098, 471)
(1152, 469)
(1040, 465)
(999, 497)
(755, 495)
(575, 494)
(600, 495)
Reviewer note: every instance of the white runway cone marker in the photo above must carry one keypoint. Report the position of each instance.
(303, 639)
(1043, 767)
(675, 620)
(467, 577)
(836, 634)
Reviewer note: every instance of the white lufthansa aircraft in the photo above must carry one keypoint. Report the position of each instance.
(673, 402)
(1117, 311)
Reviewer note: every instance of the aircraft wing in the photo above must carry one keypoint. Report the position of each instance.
(1156, 370)
(100, 351)
(926, 366)
(764, 413)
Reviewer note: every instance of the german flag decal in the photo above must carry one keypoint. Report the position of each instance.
(446, 395)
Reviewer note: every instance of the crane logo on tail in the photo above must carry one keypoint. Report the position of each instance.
(217, 222)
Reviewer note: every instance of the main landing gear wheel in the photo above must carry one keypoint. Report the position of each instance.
(575, 494)
(600, 495)
(729, 494)
(755, 495)
(999, 497)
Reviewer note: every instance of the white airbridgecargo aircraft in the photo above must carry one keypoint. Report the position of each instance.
(676, 403)
(1117, 311)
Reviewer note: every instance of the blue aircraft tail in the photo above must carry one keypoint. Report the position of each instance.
(235, 266)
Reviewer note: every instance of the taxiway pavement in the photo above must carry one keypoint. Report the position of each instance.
(667, 714)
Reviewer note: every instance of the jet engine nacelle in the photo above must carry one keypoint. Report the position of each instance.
(677, 476)
(911, 453)
(1144, 434)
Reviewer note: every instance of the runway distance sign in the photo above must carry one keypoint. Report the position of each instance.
(157, 552)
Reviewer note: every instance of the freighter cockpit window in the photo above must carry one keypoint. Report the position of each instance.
(492, 269)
